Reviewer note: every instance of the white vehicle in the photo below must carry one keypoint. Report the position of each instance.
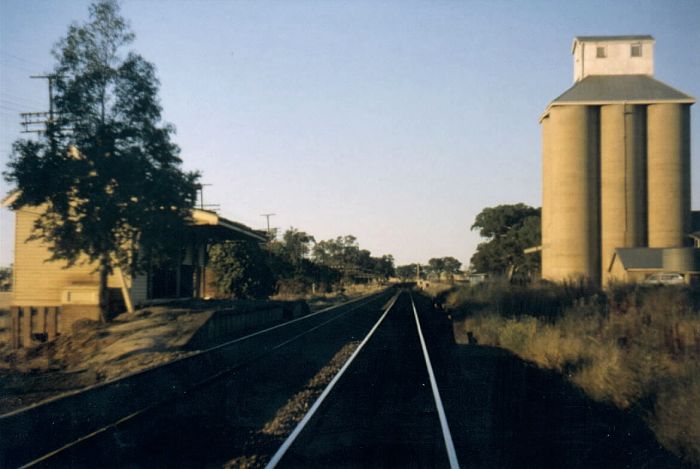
(665, 278)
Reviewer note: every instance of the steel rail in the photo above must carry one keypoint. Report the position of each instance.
(198, 354)
(447, 436)
(277, 457)
(357, 304)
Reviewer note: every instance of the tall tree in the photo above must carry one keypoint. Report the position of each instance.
(384, 266)
(407, 272)
(296, 245)
(509, 229)
(444, 265)
(436, 265)
(106, 173)
(451, 265)
(342, 252)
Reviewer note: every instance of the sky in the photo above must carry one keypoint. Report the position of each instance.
(394, 121)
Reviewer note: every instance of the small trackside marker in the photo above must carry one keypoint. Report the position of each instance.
(277, 457)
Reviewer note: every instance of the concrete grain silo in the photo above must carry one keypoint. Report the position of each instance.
(615, 160)
(669, 174)
(622, 178)
(572, 214)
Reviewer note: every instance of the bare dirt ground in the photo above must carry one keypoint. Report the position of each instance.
(94, 353)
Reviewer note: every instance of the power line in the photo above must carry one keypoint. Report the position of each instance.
(30, 119)
(20, 98)
(17, 67)
(21, 59)
(12, 102)
(10, 107)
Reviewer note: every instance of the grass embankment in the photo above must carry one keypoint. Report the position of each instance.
(636, 347)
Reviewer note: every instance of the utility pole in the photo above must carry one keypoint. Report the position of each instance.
(202, 205)
(40, 118)
(34, 118)
(50, 79)
(268, 215)
(200, 188)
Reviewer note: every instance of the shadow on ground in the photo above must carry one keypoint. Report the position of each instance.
(504, 412)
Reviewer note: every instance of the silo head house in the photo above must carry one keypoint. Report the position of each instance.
(616, 169)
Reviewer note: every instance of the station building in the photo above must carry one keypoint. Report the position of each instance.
(616, 169)
(48, 297)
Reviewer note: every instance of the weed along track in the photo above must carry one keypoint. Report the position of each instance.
(198, 410)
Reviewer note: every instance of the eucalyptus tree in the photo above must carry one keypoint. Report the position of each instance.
(106, 171)
(509, 230)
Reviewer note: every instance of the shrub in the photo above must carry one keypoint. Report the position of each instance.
(241, 270)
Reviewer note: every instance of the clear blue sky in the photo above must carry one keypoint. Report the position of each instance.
(394, 121)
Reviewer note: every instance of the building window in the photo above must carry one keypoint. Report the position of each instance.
(600, 52)
(636, 50)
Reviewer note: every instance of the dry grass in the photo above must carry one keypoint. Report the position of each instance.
(323, 300)
(635, 347)
(433, 288)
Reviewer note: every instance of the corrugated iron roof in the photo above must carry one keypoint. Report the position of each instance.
(641, 258)
(601, 89)
(207, 218)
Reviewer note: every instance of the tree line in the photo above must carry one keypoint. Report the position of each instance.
(294, 263)
(439, 268)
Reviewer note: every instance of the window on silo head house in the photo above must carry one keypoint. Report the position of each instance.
(600, 52)
(636, 50)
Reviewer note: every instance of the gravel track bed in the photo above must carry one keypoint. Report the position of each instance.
(262, 444)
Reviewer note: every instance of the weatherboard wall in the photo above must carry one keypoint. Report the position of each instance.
(617, 57)
(39, 282)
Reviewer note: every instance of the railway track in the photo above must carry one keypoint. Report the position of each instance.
(382, 409)
(361, 391)
(119, 433)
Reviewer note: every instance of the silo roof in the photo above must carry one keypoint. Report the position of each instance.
(632, 37)
(604, 89)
